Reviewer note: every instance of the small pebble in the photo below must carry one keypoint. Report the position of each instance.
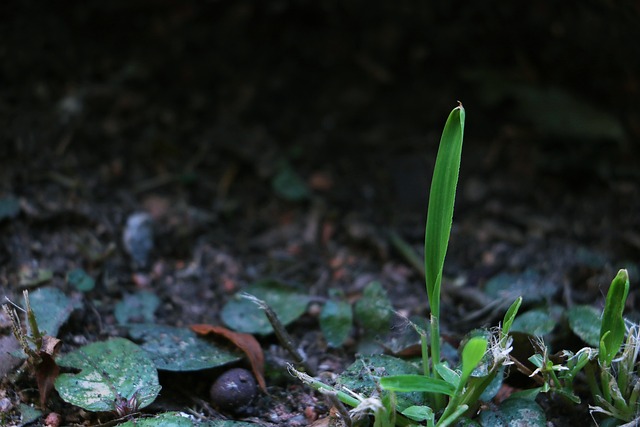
(233, 390)
(137, 238)
(53, 420)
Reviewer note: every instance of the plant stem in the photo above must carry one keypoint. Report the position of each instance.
(435, 357)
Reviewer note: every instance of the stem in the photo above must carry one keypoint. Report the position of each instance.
(591, 380)
(444, 422)
(425, 356)
(604, 380)
(435, 357)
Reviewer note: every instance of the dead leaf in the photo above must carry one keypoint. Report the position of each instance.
(47, 370)
(245, 342)
(46, 373)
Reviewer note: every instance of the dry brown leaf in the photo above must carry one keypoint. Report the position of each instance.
(245, 342)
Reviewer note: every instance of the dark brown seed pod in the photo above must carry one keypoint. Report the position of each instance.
(233, 390)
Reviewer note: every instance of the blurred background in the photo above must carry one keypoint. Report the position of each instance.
(346, 95)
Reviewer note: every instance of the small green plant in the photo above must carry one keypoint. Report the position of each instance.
(447, 393)
(611, 369)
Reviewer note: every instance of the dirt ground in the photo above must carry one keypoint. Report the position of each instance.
(188, 111)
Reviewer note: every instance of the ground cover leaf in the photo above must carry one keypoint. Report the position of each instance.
(110, 371)
(79, 279)
(137, 308)
(336, 321)
(243, 315)
(289, 185)
(177, 419)
(245, 342)
(512, 412)
(534, 322)
(374, 310)
(363, 375)
(52, 309)
(528, 284)
(28, 414)
(180, 349)
(584, 321)
(32, 276)
(9, 207)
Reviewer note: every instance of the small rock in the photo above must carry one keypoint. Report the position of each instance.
(137, 238)
(53, 420)
(233, 390)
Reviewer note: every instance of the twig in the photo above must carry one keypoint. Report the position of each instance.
(283, 336)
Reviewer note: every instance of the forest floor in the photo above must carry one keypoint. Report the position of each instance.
(82, 157)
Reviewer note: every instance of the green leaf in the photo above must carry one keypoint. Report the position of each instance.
(441, 201)
(110, 371)
(408, 383)
(336, 321)
(512, 412)
(418, 413)
(28, 414)
(534, 322)
(243, 315)
(612, 329)
(138, 307)
(374, 310)
(362, 377)
(448, 374)
(52, 309)
(288, 184)
(472, 354)
(9, 207)
(510, 315)
(167, 419)
(530, 283)
(79, 279)
(585, 322)
(179, 349)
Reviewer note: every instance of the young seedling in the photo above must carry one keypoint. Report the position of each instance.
(40, 349)
(447, 392)
(611, 369)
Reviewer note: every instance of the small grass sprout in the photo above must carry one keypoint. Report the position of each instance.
(447, 393)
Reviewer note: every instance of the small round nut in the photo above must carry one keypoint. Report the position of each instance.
(233, 390)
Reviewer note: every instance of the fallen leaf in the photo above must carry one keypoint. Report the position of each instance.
(46, 373)
(245, 342)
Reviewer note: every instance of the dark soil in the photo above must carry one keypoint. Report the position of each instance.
(187, 110)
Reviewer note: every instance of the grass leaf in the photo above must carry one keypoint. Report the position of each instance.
(441, 200)
(612, 329)
(409, 383)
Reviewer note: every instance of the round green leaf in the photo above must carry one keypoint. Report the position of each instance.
(168, 419)
(52, 309)
(534, 322)
(512, 412)
(138, 307)
(362, 376)
(80, 280)
(110, 372)
(245, 316)
(336, 320)
(179, 349)
(374, 310)
(529, 284)
(9, 207)
(288, 185)
(584, 321)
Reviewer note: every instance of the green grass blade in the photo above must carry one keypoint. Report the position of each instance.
(472, 354)
(410, 383)
(510, 315)
(441, 200)
(612, 329)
